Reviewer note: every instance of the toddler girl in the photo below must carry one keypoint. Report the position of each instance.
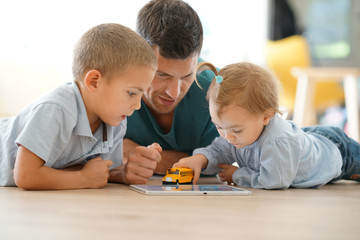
(271, 152)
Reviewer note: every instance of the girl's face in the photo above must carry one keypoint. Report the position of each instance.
(237, 125)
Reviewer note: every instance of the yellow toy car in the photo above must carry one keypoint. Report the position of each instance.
(178, 176)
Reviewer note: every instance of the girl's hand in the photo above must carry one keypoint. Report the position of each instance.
(196, 163)
(96, 172)
(227, 172)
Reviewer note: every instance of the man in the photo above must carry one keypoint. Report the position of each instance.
(174, 111)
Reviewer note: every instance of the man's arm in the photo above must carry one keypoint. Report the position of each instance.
(138, 165)
(168, 157)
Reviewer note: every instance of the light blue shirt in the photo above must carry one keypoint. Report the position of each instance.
(283, 156)
(55, 127)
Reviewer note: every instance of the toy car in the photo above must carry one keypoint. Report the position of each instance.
(178, 176)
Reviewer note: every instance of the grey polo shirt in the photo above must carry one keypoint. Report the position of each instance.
(55, 127)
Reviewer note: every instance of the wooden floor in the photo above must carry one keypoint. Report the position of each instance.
(116, 212)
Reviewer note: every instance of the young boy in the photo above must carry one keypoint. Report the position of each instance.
(70, 137)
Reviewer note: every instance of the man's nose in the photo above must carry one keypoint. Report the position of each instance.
(173, 88)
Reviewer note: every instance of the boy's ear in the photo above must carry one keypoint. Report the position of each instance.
(92, 79)
(268, 115)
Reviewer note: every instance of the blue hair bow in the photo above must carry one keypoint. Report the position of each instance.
(219, 79)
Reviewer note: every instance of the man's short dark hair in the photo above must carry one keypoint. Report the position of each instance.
(173, 26)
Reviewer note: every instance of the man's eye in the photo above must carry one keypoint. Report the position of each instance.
(188, 78)
(163, 76)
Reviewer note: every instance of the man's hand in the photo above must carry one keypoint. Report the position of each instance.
(140, 165)
(168, 157)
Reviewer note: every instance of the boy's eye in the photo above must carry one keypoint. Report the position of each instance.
(237, 131)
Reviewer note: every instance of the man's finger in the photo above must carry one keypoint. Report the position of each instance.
(149, 153)
(155, 146)
(136, 170)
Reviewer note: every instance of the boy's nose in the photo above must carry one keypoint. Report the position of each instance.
(136, 105)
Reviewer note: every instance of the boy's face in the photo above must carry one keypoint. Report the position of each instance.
(172, 80)
(237, 125)
(120, 96)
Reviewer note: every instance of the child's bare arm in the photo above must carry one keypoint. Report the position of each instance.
(30, 173)
(195, 162)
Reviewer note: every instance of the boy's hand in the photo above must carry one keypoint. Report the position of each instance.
(96, 172)
(196, 163)
(141, 163)
(227, 172)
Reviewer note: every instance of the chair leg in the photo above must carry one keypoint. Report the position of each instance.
(304, 113)
(352, 106)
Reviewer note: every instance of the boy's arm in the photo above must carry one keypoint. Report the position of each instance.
(30, 173)
(168, 157)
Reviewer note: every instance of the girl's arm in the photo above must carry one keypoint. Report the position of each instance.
(277, 166)
(30, 173)
(195, 162)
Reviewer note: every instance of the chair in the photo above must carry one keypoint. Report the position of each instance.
(281, 56)
(309, 90)
(308, 77)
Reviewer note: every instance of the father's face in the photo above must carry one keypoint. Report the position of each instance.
(172, 80)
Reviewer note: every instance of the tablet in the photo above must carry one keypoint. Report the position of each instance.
(189, 190)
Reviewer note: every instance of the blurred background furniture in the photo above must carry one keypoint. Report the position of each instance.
(307, 77)
(308, 90)
(284, 54)
(313, 49)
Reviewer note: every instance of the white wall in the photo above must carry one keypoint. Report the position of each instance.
(38, 36)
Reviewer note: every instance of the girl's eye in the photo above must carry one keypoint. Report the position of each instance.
(131, 93)
(237, 131)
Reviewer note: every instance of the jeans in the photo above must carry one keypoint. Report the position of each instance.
(349, 149)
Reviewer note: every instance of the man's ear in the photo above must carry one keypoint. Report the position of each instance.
(268, 115)
(92, 79)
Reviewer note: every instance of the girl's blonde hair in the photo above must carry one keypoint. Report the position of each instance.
(243, 84)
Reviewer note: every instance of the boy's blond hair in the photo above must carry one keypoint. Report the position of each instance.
(246, 85)
(110, 48)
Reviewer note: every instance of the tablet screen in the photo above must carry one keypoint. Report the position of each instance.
(189, 190)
